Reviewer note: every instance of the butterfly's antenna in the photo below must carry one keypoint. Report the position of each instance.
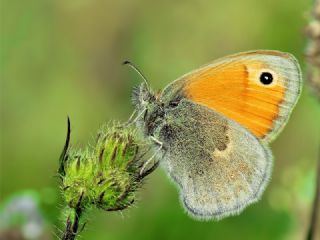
(130, 64)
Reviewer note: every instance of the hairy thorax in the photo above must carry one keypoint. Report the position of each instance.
(154, 112)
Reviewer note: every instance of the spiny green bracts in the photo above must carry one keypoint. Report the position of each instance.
(106, 175)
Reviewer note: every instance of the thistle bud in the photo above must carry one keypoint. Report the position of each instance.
(106, 175)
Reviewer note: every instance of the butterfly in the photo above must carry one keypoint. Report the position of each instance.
(210, 128)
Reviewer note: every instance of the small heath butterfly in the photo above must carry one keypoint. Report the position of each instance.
(210, 128)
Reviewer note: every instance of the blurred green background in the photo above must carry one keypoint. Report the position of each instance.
(63, 57)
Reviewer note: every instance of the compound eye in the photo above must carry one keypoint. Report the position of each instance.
(266, 78)
(174, 104)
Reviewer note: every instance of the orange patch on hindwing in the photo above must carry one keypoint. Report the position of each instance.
(234, 89)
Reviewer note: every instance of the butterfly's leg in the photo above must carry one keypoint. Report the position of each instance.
(153, 155)
(156, 141)
(130, 121)
(131, 117)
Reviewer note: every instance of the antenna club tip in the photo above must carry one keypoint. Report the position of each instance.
(136, 69)
(126, 62)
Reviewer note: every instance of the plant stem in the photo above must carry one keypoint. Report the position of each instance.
(73, 221)
(72, 224)
(315, 208)
(313, 73)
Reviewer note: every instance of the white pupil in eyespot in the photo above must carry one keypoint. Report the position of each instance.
(266, 78)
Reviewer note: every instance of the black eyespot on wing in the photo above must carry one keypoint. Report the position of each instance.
(266, 78)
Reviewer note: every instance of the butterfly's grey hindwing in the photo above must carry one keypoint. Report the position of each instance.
(219, 166)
